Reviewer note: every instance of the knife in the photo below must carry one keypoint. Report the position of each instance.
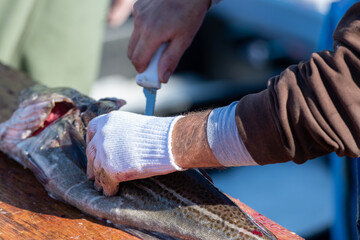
(149, 80)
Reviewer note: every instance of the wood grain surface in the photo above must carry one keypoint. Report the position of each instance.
(28, 212)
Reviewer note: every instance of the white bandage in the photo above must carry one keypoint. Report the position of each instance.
(224, 140)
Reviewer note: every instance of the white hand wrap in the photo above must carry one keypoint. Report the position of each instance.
(224, 140)
(129, 146)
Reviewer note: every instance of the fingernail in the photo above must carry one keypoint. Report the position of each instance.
(166, 76)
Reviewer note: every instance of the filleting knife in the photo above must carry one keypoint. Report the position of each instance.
(149, 80)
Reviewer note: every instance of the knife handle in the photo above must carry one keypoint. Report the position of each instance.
(150, 77)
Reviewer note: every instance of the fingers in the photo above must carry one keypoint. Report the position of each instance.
(91, 129)
(139, 6)
(148, 34)
(110, 190)
(102, 181)
(132, 44)
(110, 186)
(97, 171)
(94, 169)
(144, 50)
(164, 21)
(135, 36)
(90, 154)
(171, 57)
(97, 185)
(90, 149)
(105, 183)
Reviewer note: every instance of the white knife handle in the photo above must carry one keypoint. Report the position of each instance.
(150, 77)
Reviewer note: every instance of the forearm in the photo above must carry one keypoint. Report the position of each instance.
(210, 139)
(312, 108)
(190, 147)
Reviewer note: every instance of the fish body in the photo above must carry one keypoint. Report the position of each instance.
(46, 134)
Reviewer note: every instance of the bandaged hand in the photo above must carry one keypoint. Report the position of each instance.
(123, 146)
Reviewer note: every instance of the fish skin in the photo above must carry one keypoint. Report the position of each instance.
(182, 205)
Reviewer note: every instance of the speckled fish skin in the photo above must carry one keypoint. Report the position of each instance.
(182, 205)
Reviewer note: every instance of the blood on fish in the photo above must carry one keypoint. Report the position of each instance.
(59, 110)
(257, 232)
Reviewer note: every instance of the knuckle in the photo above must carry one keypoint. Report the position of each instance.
(138, 64)
(139, 21)
(136, 8)
(147, 32)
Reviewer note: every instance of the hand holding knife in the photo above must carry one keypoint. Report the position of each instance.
(149, 79)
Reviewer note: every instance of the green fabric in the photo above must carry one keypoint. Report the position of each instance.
(57, 42)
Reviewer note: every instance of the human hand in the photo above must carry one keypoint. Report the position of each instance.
(119, 12)
(157, 22)
(123, 146)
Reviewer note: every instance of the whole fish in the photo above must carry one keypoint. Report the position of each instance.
(47, 135)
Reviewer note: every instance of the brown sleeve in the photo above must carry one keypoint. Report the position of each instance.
(312, 108)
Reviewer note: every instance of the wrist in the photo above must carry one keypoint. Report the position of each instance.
(224, 139)
(153, 144)
(190, 147)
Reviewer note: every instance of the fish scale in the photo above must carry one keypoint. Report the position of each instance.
(183, 205)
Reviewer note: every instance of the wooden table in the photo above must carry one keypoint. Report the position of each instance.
(27, 211)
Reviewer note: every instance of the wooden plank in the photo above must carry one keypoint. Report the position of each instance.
(27, 211)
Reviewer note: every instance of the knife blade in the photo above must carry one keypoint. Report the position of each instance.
(149, 80)
(150, 95)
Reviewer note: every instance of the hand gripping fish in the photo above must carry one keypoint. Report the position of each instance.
(46, 134)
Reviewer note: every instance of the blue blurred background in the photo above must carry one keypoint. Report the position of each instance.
(239, 47)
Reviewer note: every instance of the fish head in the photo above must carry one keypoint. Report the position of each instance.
(40, 107)
(100, 107)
